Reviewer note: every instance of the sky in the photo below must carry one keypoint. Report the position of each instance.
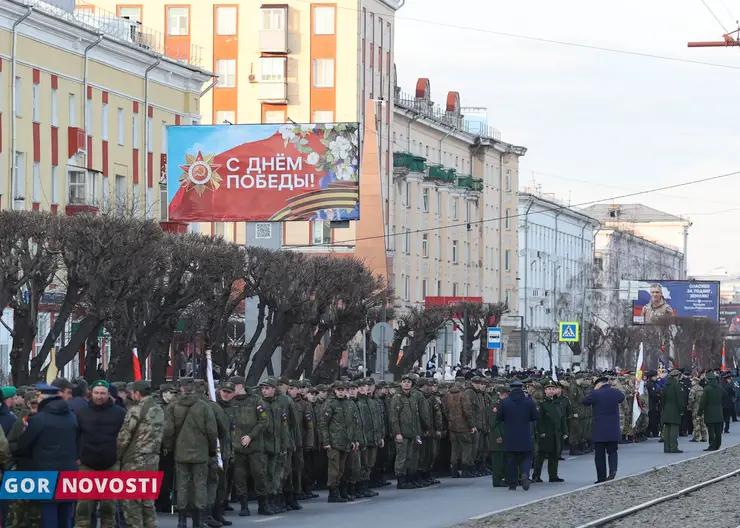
(598, 124)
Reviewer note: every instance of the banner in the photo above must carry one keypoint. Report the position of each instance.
(277, 173)
(212, 393)
(77, 485)
(659, 301)
(729, 318)
(639, 388)
(137, 365)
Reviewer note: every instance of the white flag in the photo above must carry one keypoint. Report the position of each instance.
(212, 393)
(639, 388)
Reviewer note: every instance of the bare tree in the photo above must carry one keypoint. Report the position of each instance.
(547, 338)
(420, 326)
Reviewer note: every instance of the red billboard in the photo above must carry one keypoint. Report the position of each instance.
(450, 301)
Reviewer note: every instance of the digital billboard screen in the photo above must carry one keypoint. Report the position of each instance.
(659, 300)
(238, 173)
(729, 318)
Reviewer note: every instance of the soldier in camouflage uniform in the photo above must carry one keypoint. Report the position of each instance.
(191, 432)
(321, 459)
(697, 414)
(432, 444)
(164, 397)
(251, 419)
(407, 430)
(472, 395)
(371, 417)
(224, 398)
(277, 437)
(338, 437)
(283, 469)
(293, 484)
(310, 439)
(138, 447)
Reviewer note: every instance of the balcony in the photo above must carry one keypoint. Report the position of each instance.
(470, 183)
(404, 160)
(439, 173)
(275, 92)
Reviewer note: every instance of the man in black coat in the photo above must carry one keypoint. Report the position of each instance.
(517, 412)
(728, 401)
(654, 403)
(606, 430)
(49, 443)
(98, 426)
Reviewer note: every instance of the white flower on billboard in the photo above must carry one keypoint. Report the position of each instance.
(287, 131)
(313, 158)
(356, 138)
(340, 147)
(345, 173)
(306, 128)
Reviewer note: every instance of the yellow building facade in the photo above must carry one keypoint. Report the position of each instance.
(296, 60)
(84, 112)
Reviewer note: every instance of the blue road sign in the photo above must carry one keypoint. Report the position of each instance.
(494, 337)
(568, 332)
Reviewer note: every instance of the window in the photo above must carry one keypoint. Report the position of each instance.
(467, 254)
(226, 20)
(272, 69)
(36, 103)
(149, 138)
(507, 260)
(225, 117)
(163, 136)
(120, 194)
(454, 209)
(135, 198)
(403, 241)
(425, 200)
(274, 117)
(133, 13)
(36, 182)
(149, 202)
(226, 71)
(92, 186)
(455, 255)
(438, 247)
(507, 299)
(425, 245)
(467, 212)
(54, 107)
(54, 184)
(321, 233)
(105, 194)
(323, 73)
(439, 202)
(178, 20)
(439, 287)
(508, 180)
(323, 116)
(88, 117)
(76, 188)
(424, 288)
(72, 110)
(135, 131)
(120, 126)
(406, 286)
(408, 241)
(104, 123)
(454, 289)
(507, 220)
(163, 203)
(18, 93)
(273, 18)
(323, 20)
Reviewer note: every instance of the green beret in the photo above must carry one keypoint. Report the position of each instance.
(9, 392)
(227, 386)
(100, 383)
(237, 380)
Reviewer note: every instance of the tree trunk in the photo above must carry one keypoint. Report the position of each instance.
(121, 364)
(275, 333)
(92, 355)
(23, 334)
(329, 364)
(301, 356)
(71, 299)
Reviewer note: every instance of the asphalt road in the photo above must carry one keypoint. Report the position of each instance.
(458, 500)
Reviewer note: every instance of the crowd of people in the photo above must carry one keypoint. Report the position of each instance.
(276, 444)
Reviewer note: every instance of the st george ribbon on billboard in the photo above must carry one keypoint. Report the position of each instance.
(277, 173)
(658, 301)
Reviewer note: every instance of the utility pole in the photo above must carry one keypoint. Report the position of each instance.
(729, 40)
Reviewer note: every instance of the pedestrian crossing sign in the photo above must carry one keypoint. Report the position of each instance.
(568, 332)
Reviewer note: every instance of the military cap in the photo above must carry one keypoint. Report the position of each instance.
(166, 387)
(199, 382)
(237, 380)
(421, 382)
(476, 379)
(269, 382)
(62, 383)
(130, 386)
(380, 385)
(227, 386)
(651, 373)
(119, 385)
(549, 383)
(100, 383)
(321, 388)
(294, 383)
(351, 384)
(187, 382)
(601, 379)
(675, 373)
(9, 391)
(30, 395)
(282, 380)
(516, 385)
(414, 376)
(459, 379)
(306, 384)
(407, 377)
(141, 386)
(45, 388)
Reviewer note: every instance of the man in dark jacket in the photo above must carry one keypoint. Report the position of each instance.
(728, 401)
(7, 418)
(606, 432)
(98, 426)
(711, 406)
(673, 409)
(49, 443)
(517, 412)
(653, 403)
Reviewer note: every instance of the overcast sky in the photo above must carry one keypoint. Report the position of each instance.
(598, 124)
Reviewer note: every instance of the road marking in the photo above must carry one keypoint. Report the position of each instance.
(357, 502)
(268, 519)
(528, 503)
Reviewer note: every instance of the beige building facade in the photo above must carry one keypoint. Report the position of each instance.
(453, 204)
(84, 113)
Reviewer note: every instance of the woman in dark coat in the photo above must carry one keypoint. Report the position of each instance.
(517, 412)
(606, 431)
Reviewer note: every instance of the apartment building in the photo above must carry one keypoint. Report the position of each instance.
(293, 61)
(453, 198)
(85, 110)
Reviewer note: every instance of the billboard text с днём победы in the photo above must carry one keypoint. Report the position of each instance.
(659, 300)
(277, 173)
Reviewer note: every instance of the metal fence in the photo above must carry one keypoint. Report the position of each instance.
(437, 113)
(98, 20)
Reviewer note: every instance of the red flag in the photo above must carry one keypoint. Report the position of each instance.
(724, 357)
(137, 366)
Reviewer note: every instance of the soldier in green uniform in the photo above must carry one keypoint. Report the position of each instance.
(251, 420)
(224, 397)
(283, 464)
(370, 415)
(337, 434)
(576, 409)
(496, 436)
(673, 408)
(475, 436)
(424, 450)
(292, 480)
(550, 431)
(310, 439)
(192, 433)
(711, 407)
(277, 438)
(697, 415)
(564, 403)
(406, 429)
(435, 405)
(138, 446)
